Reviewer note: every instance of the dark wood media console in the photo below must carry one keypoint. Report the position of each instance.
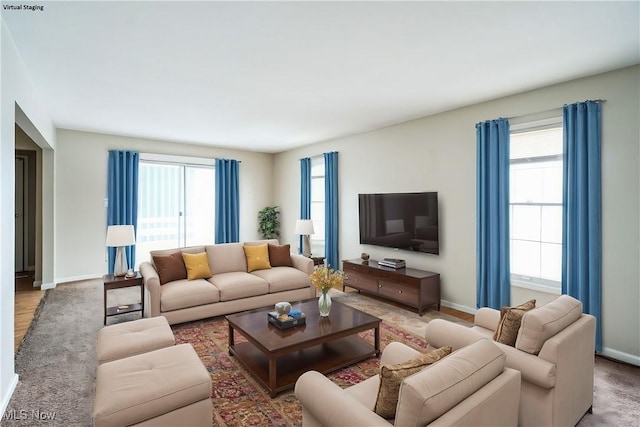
(415, 288)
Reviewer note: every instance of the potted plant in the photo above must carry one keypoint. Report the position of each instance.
(268, 222)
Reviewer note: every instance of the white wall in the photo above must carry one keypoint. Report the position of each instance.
(438, 153)
(81, 187)
(17, 90)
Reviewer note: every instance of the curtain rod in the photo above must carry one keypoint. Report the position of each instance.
(542, 113)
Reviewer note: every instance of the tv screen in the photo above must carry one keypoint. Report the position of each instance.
(400, 220)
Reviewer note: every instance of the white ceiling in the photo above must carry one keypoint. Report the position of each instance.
(269, 76)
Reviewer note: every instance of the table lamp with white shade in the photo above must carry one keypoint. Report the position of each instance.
(304, 227)
(119, 236)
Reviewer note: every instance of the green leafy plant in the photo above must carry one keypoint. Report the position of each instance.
(268, 222)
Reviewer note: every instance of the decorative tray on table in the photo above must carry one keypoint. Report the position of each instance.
(286, 321)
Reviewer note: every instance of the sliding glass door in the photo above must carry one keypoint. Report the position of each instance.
(199, 206)
(176, 207)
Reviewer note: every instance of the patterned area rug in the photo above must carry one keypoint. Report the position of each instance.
(395, 315)
(238, 400)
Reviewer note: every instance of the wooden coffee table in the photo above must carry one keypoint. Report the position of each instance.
(277, 357)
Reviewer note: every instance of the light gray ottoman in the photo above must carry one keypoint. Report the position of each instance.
(131, 338)
(166, 387)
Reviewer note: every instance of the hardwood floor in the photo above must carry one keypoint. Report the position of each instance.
(456, 313)
(27, 299)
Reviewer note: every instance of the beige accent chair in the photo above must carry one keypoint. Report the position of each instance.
(470, 387)
(554, 352)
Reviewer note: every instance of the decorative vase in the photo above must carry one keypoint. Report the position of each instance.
(324, 304)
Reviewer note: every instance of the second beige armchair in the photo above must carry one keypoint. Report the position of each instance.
(554, 352)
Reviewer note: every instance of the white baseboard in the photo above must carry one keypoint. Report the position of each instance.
(459, 307)
(37, 283)
(78, 278)
(7, 397)
(45, 286)
(632, 359)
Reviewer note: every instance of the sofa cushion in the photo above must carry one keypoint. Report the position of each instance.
(280, 256)
(187, 293)
(226, 257)
(539, 325)
(238, 285)
(391, 376)
(365, 391)
(131, 338)
(433, 391)
(257, 257)
(510, 317)
(283, 278)
(197, 266)
(170, 267)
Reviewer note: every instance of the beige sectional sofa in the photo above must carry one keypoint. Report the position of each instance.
(231, 287)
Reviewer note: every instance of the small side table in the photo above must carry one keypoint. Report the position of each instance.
(317, 260)
(116, 282)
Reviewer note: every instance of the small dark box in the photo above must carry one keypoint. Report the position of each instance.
(286, 324)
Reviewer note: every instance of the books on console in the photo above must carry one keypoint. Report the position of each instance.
(393, 263)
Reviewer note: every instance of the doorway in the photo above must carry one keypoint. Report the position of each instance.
(25, 211)
(28, 229)
(21, 180)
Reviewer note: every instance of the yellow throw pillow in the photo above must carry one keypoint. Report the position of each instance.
(197, 266)
(510, 319)
(257, 257)
(391, 377)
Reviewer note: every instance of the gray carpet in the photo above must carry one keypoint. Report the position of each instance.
(57, 362)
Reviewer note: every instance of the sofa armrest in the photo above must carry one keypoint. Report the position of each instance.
(441, 332)
(396, 352)
(487, 318)
(533, 369)
(152, 284)
(302, 263)
(325, 403)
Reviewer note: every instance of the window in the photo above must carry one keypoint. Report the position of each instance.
(176, 204)
(317, 205)
(536, 203)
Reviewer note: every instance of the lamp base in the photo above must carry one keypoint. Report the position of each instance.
(120, 267)
(306, 246)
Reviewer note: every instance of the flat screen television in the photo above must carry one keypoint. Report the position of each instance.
(400, 220)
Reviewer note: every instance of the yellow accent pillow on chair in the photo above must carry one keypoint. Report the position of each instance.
(197, 266)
